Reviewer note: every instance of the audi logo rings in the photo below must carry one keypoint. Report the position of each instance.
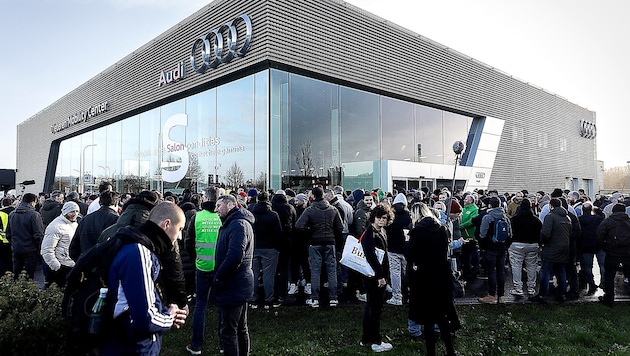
(211, 45)
(588, 129)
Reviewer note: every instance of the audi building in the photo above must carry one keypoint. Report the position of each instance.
(281, 93)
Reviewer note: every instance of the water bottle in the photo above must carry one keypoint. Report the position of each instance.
(96, 316)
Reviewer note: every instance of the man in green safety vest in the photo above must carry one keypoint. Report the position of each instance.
(6, 259)
(200, 242)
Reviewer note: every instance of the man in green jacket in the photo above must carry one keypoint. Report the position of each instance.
(470, 253)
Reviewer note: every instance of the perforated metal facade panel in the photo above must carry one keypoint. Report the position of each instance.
(335, 41)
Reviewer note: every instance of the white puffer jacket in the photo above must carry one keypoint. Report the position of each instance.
(56, 243)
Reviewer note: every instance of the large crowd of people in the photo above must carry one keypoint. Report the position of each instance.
(249, 248)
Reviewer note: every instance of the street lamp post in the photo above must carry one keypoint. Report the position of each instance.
(82, 180)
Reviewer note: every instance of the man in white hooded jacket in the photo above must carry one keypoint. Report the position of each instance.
(56, 244)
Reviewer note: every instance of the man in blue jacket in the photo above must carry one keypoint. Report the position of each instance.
(140, 316)
(234, 279)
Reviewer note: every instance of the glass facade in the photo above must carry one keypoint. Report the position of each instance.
(270, 129)
(184, 144)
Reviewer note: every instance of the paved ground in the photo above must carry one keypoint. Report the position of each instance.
(479, 288)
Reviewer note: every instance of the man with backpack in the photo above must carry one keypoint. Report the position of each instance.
(495, 231)
(140, 316)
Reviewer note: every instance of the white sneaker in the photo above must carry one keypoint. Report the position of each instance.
(307, 288)
(362, 297)
(314, 303)
(393, 301)
(293, 289)
(383, 346)
(333, 303)
(516, 292)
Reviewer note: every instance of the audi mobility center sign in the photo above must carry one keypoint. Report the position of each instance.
(210, 49)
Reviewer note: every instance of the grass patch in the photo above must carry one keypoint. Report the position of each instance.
(515, 329)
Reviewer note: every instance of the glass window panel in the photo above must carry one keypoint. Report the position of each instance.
(429, 138)
(129, 160)
(149, 148)
(114, 154)
(235, 130)
(397, 130)
(201, 135)
(359, 126)
(455, 128)
(261, 112)
(279, 129)
(314, 134)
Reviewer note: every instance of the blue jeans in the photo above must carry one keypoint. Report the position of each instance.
(267, 260)
(588, 265)
(495, 267)
(397, 269)
(204, 284)
(547, 270)
(326, 254)
(233, 329)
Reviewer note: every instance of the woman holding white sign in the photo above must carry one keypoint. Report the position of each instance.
(375, 237)
(430, 279)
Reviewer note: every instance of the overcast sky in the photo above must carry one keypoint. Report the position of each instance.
(576, 49)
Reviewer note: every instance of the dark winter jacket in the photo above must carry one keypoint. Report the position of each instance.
(589, 224)
(234, 278)
(136, 213)
(430, 278)
(360, 219)
(25, 230)
(526, 227)
(395, 234)
(613, 234)
(555, 236)
(50, 210)
(288, 216)
(373, 239)
(324, 223)
(267, 228)
(90, 228)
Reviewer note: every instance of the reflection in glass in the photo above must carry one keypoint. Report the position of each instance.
(429, 140)
(235, 130)
(397, 130)
(359, 126)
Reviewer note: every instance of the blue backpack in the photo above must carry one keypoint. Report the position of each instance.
(501, 230)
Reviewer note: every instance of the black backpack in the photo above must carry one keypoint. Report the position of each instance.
(83, 284)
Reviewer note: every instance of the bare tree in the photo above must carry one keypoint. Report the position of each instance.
(261, 182)
(234, 177)
(194, 171)
(616, 178)
(304, 158)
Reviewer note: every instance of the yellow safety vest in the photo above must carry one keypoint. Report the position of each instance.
(4, 221)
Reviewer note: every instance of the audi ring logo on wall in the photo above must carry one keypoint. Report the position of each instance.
(211, 46)
(588, 129)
